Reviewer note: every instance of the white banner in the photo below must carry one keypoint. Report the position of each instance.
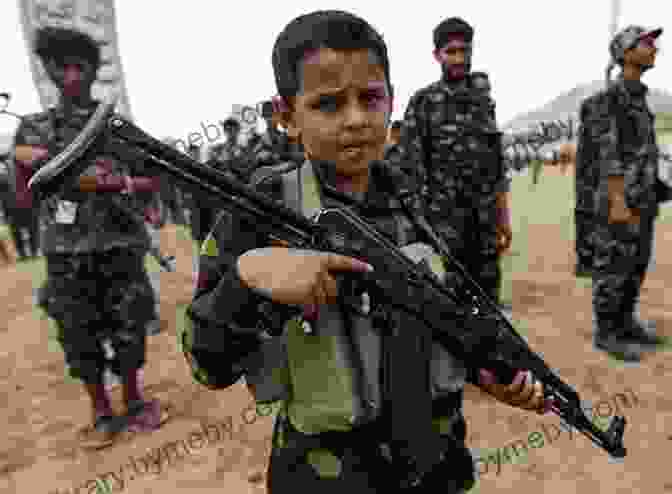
(95, 18)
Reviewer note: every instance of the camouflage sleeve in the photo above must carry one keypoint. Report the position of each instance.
(225, 320)
(410, 154)
(611, 157)
(28, 134)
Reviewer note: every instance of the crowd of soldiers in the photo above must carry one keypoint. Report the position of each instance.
(449, 150)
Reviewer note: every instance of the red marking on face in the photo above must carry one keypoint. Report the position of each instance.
(311, 56)
(379, 98)
(72, 80)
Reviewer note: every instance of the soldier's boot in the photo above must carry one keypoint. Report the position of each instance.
(642, 332)
(606, 339)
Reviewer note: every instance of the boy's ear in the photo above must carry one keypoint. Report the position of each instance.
(437, 56)
(286, 120)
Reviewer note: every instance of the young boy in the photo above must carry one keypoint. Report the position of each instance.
(97, 289)
(339, 428)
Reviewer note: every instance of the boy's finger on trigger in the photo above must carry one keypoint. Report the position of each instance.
(337, 262)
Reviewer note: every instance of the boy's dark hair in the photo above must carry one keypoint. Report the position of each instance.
(55, 42)
(333, 29)
(450, 27)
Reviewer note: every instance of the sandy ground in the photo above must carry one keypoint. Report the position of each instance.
(208, 447)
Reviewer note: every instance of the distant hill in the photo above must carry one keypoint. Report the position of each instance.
(567, 104)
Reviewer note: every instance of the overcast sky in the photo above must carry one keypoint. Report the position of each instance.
(188, 62)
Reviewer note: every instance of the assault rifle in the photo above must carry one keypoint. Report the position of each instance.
(479, 334)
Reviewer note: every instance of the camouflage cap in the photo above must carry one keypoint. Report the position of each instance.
(628, 38)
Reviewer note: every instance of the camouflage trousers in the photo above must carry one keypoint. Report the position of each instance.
(99, 297)
(622, 256)
(584, 224)
(471, 235)
(355, 462)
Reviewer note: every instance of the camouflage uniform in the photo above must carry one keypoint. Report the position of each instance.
(97, 287)
(623, 251)
(450, 142)
(593, 113)
(222, 340)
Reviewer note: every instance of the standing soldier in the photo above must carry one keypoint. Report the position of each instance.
(626, 200)
(24, 214)
(450, 143)
(97, 288)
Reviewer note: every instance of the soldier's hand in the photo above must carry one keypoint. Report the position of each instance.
(619, 213)
(295, 277)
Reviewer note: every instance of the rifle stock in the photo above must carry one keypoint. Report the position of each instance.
(462, 317)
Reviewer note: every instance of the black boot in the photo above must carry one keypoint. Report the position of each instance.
(642, 332)
(610, 341)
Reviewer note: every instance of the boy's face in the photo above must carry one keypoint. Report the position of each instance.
(73, 75)
(342, 109)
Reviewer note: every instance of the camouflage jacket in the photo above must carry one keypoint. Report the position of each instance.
(451, 144)
(627, 146)
(102, 221)
(227, 323)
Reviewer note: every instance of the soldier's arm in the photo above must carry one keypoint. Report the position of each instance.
(225, 320)
(410, 154)
(612, 159)
(29, 153)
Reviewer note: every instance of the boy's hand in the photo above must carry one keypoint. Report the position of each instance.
(524, 392)
(296, 277)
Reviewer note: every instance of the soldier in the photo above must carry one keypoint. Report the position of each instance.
(24, 216)
(626, 201)
(451, 144)
(200, 207)
(97, 288)
(354, 417)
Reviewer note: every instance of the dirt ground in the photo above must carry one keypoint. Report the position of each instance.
(41, 411)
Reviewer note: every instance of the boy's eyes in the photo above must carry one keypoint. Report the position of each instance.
(332, 103)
